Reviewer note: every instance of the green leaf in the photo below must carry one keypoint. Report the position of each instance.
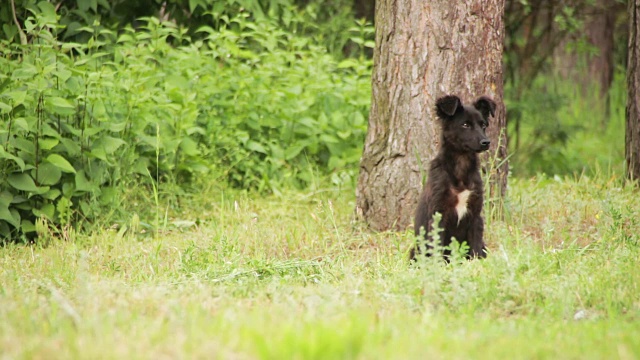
(99, 54)
(292, 151)
(72, 148)
(257, 147)
(344, 134)
(348, 63)
(52, 194)
(72, 29)
(357, 40)
(124, 38)
(82, 183)
(48, 12)
(5, 230)
(189, 147)
(12, 217)
(17, 97)
(141, 166)
(48, 174)
(193, 166)
(49, 132)
(117, 127)
(329, 139)
(308, 122)
(358, 119)
(24, 145)
(19, 199)
(108, 144)
(85, 207)
(335, 162)
(193, 4)
(58, 105)
(6, 198)
(62, 74)
(22, 181)
(27, 226)
(10, 30)
(6, 214)
(48, 143)
(108, 196)
(99, 111)
(7, 156)
(276, 152)
(24, 72)
(61, 163)
(196, 130)
(68, 188)
(59, 102)
(22, 123)
(5, 108)
(47, 210)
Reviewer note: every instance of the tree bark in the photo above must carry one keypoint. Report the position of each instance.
(587, 68)
(426, 49)
(364, 9)
(632, 133)
(600, 34)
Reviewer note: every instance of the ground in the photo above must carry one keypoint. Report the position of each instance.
(238, 276)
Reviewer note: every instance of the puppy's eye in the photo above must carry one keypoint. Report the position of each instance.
(466, 125)
(484, 126)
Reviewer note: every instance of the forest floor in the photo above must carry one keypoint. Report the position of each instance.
(236, 276)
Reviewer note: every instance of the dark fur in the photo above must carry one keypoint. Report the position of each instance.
(453, 170)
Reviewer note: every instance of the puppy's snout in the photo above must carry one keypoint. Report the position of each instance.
(485, 143)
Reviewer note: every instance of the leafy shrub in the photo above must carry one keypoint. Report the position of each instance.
(254, 102)
(277, 106)
(57, 152)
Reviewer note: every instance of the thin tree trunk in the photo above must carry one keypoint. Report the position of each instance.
(632, 138)
(590, 69)
(425, 49)
(600, 33)
(364, 9)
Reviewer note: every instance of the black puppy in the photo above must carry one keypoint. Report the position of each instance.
(454, 186)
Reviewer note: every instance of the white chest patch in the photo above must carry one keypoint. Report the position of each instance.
(461, 206)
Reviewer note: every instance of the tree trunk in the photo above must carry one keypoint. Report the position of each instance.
(600, 33)
(632, 138)
(586, 68)
(364, 9)
(426, 49)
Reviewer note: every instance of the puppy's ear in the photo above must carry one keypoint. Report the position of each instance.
(486, 106)
(447, 106)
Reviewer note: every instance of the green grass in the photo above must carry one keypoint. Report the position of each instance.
(235, 277)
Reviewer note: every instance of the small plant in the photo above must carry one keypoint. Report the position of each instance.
(457, 251)
(430, 247)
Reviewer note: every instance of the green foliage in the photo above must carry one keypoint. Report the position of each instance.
(556, 128)
(252, 103)
(331, 23)
(279, 107)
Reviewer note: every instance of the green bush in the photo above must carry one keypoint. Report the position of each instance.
(277, 107)
(252, 103)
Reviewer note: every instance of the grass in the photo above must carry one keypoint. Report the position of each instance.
(235, 277)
